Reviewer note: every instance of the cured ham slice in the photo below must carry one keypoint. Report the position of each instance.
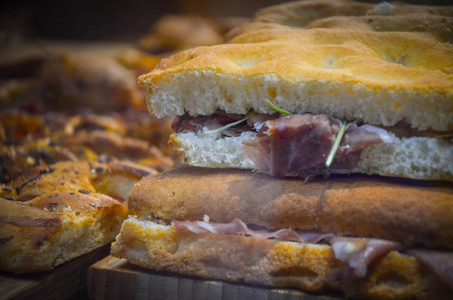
(356, 253)
(237, 227)
(440, 262)
(359, 253)
(298, 145)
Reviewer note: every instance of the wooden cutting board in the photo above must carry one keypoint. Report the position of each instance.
(67, 281)
(114, 278)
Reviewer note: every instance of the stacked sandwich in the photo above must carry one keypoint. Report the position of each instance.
(320, 143)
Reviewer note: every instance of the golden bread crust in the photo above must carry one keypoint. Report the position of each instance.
(374, 60)
(33, 139)
(270, 262)
(407, 211)
(85, 177)
(65, 175)
(49, 230)
(344, 67)
(54, 213)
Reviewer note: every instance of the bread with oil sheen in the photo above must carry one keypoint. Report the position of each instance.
(178, 222)
(349, 60)
(407, 211)
(249, 260)
(52, 214)
(386, 65)
(49, 230)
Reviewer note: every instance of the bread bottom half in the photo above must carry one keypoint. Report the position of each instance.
(270, 262)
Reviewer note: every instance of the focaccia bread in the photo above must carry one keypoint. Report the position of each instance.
(386, 65)
(49, 230)
(54, 213)
(412, 212)
(378, 77)
(99, 76)
(114, 179)
(311, 267)
(31, 139)
(66, 170)
(368, 237)
(176, 32)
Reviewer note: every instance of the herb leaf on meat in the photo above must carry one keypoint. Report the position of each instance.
(229, 125)
(336, 145)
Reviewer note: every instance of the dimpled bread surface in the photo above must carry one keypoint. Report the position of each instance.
(54, 213)
(353, 61)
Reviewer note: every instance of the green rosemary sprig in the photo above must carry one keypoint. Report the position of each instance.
(336, 145)
(229, 125)
(282, 111)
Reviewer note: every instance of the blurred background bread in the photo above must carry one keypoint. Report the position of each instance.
(126, 20)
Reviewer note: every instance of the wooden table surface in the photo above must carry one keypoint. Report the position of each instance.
(67, 281)
(112, 278)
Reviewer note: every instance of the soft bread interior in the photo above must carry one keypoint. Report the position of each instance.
(270, 262)
(202, 92)
(416, 157)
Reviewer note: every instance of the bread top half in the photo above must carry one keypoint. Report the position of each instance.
(355, 61)
(407, 211)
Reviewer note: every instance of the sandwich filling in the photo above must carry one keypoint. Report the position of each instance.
(298, 145)
(356, 253)
(293, 145)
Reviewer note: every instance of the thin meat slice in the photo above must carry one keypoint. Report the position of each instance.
(237, 227)
(358, 253)
(298, 145)
(439, 262)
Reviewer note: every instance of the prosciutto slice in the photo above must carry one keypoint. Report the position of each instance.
(237, 227)
(193, 124)
(298, 145)
(295, 145)
(357, 254)
(440, 262)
